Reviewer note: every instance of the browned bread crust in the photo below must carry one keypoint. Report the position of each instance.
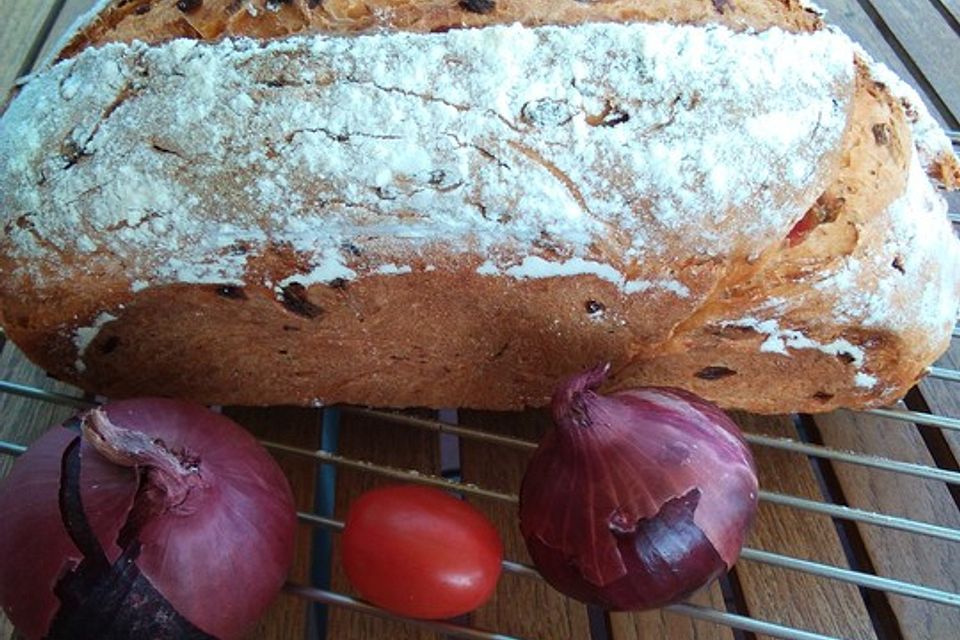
(805, 297)
(157, 21)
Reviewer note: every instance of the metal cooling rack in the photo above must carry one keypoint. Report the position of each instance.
(735, 621)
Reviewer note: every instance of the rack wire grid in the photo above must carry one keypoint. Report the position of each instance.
(944, 470)
(448, 427)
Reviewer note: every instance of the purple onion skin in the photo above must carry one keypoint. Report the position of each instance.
(638, 499)
(183, 530)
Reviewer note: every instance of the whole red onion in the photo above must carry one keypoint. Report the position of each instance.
(637, 499)
(163, 520)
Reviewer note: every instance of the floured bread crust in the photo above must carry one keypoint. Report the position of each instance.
(463, 217)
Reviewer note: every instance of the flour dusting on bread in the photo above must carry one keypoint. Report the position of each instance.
(654, 137)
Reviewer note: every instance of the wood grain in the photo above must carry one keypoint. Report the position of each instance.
(72, 9)
(922, 31)
(287, 618)
(663, 624)
(20, 29)
(791, 597)
(943, 397)
(374, 441)
(521, 606)
(850, 16)
(904, 556)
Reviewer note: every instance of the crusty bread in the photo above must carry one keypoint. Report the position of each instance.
(386, 208)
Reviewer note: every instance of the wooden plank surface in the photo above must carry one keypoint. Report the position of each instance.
(387, 444)
(69, 13)
(904, 556)
(860, 25)
(943, 396)
(521, 606)
(826, 606)
(20, 30)
(663, 624)
(288, 617)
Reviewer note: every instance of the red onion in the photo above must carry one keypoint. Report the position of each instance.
(164, 520)
(637, 499)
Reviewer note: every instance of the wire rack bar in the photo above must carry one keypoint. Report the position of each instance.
(755, 555)
(35, 393)
(747, 624)
(441, 427)
(859, 515)
(954, 217)
(822, 570)
(786, 444)
(876, 462)
(854, 577)
(405, 475)
(331, 597)
(946, 374)
(11, 449)
(826, 571)
(917, 417)
(954, 136)
(694, 611)
(685, 609)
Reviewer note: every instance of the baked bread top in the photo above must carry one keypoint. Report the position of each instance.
(716, 170)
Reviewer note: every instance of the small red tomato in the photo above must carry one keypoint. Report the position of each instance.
(420, 552)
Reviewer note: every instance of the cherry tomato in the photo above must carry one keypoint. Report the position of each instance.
(420, 552)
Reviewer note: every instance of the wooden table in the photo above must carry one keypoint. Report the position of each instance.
(799, 519)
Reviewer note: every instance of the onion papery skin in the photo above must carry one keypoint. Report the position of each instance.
(637, 499)
(88, 548)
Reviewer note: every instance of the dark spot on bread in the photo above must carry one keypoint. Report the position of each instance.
(715, 373)
(823, 396)
(143, 9)
(478, 6)
(846, 358)
(909, 110)
(338, 283)
(614, 118)
(231, 292)
(290, 327)
(352, 249)
(594, 308)
(294, 299)
(881, 134)
(189, 5)
(722, 5)
(898, 264)
(110, 345)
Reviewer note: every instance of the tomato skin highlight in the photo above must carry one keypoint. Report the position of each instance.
(419, 552)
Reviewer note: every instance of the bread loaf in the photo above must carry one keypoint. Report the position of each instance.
(456, 204)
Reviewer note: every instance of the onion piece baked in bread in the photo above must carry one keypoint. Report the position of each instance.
(441, 203)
